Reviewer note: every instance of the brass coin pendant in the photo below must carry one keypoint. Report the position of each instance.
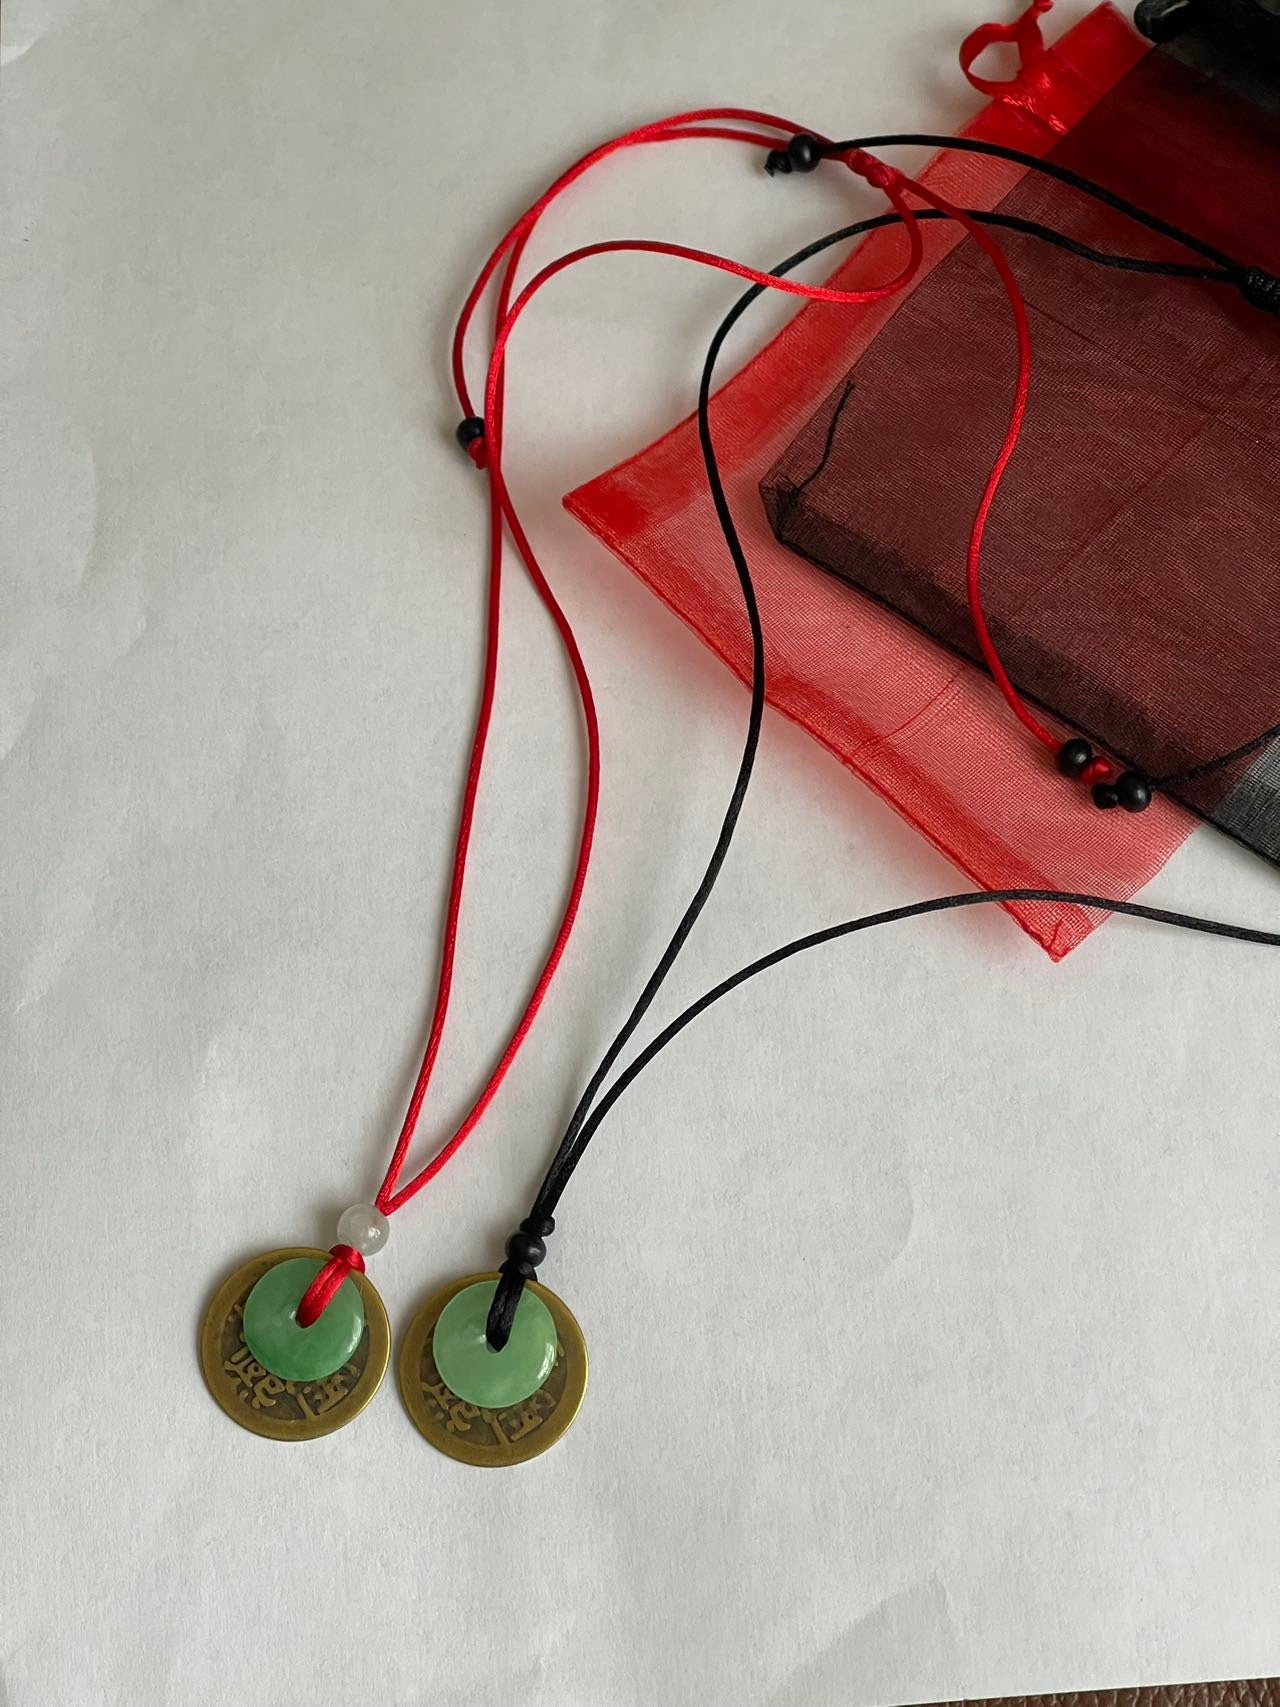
(477, 1436)
(264, 1403)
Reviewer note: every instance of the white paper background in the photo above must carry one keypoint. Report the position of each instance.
(931, 1291)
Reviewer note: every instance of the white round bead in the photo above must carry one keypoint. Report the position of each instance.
(364, 1228)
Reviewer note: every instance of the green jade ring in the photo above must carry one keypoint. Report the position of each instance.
(470, 1367)
(271, 1329)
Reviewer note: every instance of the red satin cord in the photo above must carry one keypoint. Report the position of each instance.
(390, 1198)
(875, 171)
(679, 127)
(1023, 32)
(487, 452)
(643, 246)
(343, 1260)
(325, 1286)
(1017, 414)
(892, 182)
(512, 246)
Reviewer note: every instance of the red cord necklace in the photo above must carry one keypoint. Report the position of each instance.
(297, 1340)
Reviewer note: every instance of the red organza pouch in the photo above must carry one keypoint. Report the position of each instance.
(1130, 581)
(927, 730)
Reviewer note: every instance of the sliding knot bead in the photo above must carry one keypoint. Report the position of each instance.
(471, 436)
(1133, 791)
(363, 1227)
(1074, 757)
(524, 1252)
(1105, 796)
(801, 154)
(1260, 289)
(542, 1226)
(804, 154)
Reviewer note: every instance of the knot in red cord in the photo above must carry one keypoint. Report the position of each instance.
(1023, 32)
(877, 173)
(343, 1260)
(1097, 770)
(478, 451)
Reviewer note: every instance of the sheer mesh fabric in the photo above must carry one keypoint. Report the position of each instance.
(1130, 578)
(905, 713)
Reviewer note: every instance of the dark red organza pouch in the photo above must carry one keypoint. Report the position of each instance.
(1130, 576)
(921, 725)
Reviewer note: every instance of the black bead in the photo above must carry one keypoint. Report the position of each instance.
(776, 161)
(1074, 756)
(469, 431)
(1260, 289)
(1133, 791)
(525, 1250)
(1104, 796)
(541, 1226)
(804, 154)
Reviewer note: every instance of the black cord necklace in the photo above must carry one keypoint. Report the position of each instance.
(526, 1248)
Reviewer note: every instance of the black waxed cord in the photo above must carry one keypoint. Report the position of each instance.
(1175, 778)
(511, 1284)
(1064, 175)
(1258, 287)
(1215, 273)
(892, 915)
(526, 1248)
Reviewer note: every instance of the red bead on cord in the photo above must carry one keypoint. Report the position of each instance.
(1098, 770)
(895, 185)
(1098, 773)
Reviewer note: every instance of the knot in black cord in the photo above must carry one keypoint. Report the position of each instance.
(1260, 289)
(526, 1247)
(802, 154)
(525, 1250)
